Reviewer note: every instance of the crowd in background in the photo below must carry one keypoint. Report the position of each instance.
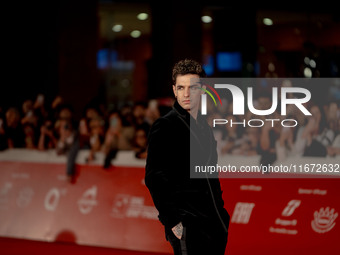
(41, 126)
(317, 135)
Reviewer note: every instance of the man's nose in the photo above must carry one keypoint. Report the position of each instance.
(187, 92)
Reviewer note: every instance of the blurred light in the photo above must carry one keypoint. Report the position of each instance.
(271, 67)
(142, 16)
(306, 60)
(250, 67)
(117, 28)
(206, 19)
(307, 72)
(267, 21)
(135, 33)
(312, 63)
(335, 71)
(125, 83)
(297, 31)
(229, 61)
(106, 58)
(257, 68)
(102, 59)
(209, 65)
(287, 83)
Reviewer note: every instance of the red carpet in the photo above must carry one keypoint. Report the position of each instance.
(11, 246)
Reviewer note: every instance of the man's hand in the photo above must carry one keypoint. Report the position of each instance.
(178, 230)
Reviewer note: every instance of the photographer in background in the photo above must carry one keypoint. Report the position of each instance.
(65, 130)
(47, 139)
(13, 129)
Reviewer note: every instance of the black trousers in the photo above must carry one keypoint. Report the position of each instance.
(197, 240)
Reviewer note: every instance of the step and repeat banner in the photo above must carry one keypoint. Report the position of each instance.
(113, 208)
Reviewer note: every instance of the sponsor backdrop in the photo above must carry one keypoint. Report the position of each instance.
(112, 208)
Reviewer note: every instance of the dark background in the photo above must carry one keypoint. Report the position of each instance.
(51, 47)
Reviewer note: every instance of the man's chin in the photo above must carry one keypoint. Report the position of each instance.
(185, 106)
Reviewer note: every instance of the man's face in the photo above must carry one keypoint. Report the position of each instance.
(187, 91)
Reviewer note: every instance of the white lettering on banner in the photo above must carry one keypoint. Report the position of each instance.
(52, 199)
(319, 192)
(251, 187)
(132, 207)
(25, 197)
(283, 231)
(119, 206)
(287, 211)
(61, 177)
(20, 175)
(312, 191)
(3, 195)
(290, 208)
(4, 190)
(324, 220)
(242, 213)
(88, 200)
(281, 222)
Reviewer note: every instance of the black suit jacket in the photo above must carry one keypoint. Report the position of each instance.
(177, 197)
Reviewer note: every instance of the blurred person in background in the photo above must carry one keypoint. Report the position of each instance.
(268, 137)
(91, 113)
(84, 134)
(55, 107)
(65, 137)
(47, 138)
(328, 131)
(285, 143)
(139, 116)
(126, 115)
(307, 142)
(140, 143)
(232, 136)
(248, 143)
(218, 131)
(152, 112)
(31, 122)
(29, 116)
(117, 137)
(333, 149)
(13, 129)
(65, 130)
(89, 136)
(269, 134)
(81, 140)
(40, 110)
(30, 136)
(96, 137)
(3, 139)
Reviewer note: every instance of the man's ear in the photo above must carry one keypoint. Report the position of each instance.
(174, 90)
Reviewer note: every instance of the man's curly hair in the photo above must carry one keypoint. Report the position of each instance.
(187, 66)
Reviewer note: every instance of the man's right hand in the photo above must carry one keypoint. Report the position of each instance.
(178, 230)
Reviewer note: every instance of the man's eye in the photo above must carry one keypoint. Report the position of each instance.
(179, 88)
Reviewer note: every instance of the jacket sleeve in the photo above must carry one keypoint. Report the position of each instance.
(158, 176)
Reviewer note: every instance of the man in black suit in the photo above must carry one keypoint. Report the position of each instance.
(191, 209)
